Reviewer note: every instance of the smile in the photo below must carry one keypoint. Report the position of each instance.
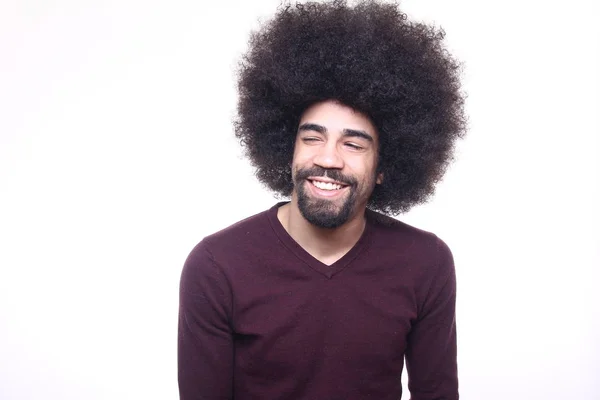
(327, 185)
(331, 190)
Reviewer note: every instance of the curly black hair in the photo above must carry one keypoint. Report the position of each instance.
(371, 58)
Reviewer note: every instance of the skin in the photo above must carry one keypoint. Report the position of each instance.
(336, 138)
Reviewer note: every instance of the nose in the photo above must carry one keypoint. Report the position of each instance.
(329, 157)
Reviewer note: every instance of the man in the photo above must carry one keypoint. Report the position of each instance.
(353, 111)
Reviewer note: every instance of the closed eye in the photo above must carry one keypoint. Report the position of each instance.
(353, 146)
(310, 139)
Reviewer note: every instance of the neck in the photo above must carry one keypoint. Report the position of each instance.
(325, 244)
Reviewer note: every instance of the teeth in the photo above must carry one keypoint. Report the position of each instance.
(327, 185)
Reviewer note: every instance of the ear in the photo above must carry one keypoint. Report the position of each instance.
(379, 179)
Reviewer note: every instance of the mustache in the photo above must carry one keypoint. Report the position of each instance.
(334, 174)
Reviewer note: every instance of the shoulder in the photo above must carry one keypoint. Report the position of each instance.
(395, 230)
(237, 240)
(242, 230)
(392, 236)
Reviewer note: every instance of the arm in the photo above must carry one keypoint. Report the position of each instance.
(431, 349)
(205, 345)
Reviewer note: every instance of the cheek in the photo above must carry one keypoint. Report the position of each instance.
(363, 168)
(301, 156)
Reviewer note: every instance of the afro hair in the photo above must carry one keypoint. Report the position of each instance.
(369, 57)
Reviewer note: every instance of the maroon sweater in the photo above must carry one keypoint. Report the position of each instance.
(262, 319)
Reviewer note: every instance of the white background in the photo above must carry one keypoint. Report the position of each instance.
(117, 156)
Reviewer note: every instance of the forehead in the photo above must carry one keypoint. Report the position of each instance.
(336, 117)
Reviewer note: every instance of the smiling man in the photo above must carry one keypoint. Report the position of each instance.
(335, 157)
(353, 111)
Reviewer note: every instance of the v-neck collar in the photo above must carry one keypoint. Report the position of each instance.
(328, 270)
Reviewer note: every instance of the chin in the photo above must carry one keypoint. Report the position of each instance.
(325, 213)
(326, 221)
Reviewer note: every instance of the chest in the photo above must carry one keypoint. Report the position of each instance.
(345, 321)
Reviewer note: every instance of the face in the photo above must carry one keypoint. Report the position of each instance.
(335, 163)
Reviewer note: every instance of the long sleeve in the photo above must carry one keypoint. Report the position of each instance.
(205, 338)
(431, 351)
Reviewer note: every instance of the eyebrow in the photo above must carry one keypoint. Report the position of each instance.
(347, 132)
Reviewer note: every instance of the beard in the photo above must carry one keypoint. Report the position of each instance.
(322, 212)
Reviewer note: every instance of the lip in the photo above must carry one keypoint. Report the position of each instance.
(330, 194)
